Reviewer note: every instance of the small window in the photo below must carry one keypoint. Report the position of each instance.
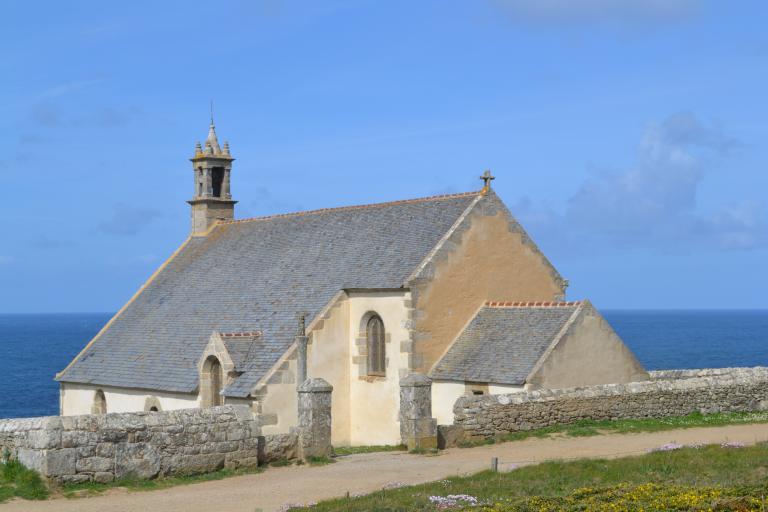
(375, 342)
(477, 392)
(153, 409)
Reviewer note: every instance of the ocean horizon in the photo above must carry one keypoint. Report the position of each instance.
(35, 346)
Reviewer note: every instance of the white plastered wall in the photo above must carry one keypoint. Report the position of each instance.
(376, 400)
(445, 394)
(365, 409)
(78, 399)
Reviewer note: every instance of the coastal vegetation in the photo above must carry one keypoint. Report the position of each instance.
(720, 477)
(351, 450)
(134, 484)
(18, 481)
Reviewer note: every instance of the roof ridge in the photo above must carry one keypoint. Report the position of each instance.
(247, 334)
(532, 304)
(352, 207)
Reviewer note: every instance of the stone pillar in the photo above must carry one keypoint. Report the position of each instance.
(315, 418)
(301, 352)
(225, 190)
(418, 429)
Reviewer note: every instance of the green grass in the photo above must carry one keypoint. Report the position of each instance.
(351, 450)
(93, 488)
(319, 460)
(18, 481)
(586, 428)
(679, 477)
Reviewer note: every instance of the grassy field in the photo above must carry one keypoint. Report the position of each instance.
(93, 488)
(593, 428)
(351, 450)
(18, 481)
(701, 478)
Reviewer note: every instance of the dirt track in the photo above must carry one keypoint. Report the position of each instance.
(369, 472)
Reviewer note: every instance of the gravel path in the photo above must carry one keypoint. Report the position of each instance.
(365, 473)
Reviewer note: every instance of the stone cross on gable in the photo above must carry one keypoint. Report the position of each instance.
(487, 177)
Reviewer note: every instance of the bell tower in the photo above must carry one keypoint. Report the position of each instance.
(211, 200)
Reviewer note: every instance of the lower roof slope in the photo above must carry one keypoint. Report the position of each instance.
(254, 275)
(504, 341)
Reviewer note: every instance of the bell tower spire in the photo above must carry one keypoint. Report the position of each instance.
(212, 199)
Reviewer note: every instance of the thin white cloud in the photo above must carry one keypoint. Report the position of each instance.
(653, 203)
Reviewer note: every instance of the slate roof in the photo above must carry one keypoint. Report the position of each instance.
(504, 341)
(256, 274)
(243, 347)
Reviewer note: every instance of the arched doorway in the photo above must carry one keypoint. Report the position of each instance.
(215, 382)
(211, 383)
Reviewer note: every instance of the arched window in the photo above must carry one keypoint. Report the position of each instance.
(99, 403)
(152, 404)
(374, 332)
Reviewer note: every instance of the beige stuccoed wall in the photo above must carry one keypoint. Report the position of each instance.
(490, 262)
(589, 353)
(375, 401)
(78, 398)
(278, 401)
(328, 357)
(445, 394)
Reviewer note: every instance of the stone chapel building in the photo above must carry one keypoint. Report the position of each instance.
(450, 286)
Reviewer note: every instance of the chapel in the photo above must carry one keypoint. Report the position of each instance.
(450, 287)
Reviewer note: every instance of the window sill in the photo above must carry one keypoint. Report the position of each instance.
(372, 378)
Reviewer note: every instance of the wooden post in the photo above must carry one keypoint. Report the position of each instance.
(495, 464)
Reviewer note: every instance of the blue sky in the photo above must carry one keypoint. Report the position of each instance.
(628, 137)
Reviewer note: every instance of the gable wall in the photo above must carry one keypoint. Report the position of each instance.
(589, 353)
(490, 260)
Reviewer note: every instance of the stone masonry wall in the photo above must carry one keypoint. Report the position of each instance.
(669, 393)
(143, 445)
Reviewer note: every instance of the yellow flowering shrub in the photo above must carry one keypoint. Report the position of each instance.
(650, 497)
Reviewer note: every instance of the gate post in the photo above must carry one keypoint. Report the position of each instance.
(315, 418)
(418, 429)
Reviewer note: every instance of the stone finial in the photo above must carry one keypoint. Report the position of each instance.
(226, 148)
(212, 140)
(198, 149)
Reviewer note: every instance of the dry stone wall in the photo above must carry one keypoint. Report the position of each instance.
(101, 448)
(668, 393)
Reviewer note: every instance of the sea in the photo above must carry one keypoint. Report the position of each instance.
(33, 347)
